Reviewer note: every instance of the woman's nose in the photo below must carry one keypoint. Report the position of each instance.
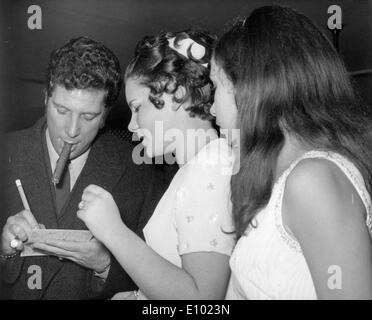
(133, 125)
(212, 110)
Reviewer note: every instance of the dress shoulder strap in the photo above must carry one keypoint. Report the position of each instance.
(347, 167)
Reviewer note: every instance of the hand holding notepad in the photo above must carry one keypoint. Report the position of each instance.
(45, 235)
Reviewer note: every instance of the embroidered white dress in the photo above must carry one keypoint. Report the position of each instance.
(195, 210)
(268, 263)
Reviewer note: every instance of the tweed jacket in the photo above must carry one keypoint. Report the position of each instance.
(135, 188)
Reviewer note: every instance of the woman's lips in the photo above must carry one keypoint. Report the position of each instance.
(137, 137)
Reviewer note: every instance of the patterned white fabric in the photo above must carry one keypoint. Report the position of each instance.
(267, 263)
(195, 210)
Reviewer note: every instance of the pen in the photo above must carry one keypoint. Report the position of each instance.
(22, 195)
(16, 242)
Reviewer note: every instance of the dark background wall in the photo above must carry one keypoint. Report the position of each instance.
(120, 24)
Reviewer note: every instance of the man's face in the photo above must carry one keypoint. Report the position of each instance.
(74, 116)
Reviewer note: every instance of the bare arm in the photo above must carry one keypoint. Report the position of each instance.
(204, 275)
(325, 213)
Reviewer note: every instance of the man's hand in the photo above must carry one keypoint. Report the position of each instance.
(90, 254)
(19, 227)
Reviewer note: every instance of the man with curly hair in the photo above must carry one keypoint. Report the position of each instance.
(83, 81)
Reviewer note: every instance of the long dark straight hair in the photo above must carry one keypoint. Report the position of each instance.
(288, 76)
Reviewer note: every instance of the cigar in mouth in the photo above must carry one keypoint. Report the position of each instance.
(61, 162)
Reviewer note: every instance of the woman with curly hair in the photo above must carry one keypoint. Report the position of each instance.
(186, 252)
(301, 199)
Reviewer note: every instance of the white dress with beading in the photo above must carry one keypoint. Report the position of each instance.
(267, 262)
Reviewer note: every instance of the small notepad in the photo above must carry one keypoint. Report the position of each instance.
(41, 235)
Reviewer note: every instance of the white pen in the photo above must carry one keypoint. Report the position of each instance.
(22, 194)
(16, 242)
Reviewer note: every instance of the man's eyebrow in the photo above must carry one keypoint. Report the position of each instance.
(59, 105)
(89, 112)
(93, 113)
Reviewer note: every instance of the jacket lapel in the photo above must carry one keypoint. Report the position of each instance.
(35, 178)
(32, 167)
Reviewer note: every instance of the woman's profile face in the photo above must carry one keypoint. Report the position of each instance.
(224, 107)
(149, 123)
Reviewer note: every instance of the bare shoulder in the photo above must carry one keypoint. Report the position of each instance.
(324, 212)
(317, 171)
(318, 191)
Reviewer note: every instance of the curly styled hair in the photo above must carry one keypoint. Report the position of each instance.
(84, 63)
(163, 69)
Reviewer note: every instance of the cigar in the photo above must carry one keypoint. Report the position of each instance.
(61, 162)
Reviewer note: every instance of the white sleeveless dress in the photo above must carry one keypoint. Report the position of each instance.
(268, 263)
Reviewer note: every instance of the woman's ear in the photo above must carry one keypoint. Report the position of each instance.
(179, 97)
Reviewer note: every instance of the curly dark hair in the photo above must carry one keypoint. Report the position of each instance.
(84, 63)
(163, 69)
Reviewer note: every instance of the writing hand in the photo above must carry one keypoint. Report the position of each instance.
(18, 226)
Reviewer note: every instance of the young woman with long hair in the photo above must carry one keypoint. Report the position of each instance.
(301, 199)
